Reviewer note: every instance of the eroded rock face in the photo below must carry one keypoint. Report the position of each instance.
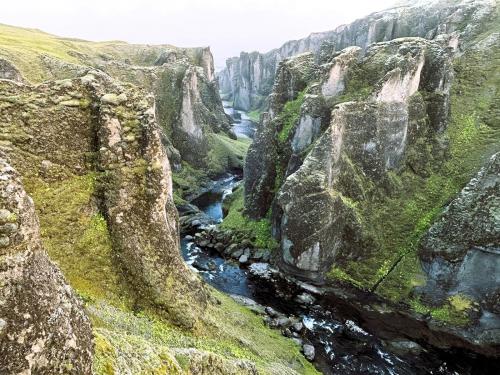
(460, 253)
(249, 78)
(188, 106)
(261, 164)
(318, 222)
(95, 125)
(260, 170)
(43, 327)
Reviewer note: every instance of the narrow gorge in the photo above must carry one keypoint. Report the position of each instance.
(331, 206)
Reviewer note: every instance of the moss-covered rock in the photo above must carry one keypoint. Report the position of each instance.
(412, 122)
(43, 328)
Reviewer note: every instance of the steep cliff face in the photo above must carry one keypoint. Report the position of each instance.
(261, 170)
(119, 147)
(460, 254)
(365, 142)
(248, 78)
(188, 108)
(43, 328)
(368, 145)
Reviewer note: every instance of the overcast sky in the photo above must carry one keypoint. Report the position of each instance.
(227, 26)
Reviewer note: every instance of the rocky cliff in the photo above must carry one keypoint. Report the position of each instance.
(366, 147)
(182, 80)
(43, 328)
(92, 152)
(117, 151)
(248, 79)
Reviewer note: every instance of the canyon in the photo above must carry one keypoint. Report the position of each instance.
(331, 206)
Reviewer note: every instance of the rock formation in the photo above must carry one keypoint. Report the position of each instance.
(362, 148)
(43, 328)
(248, 79)
(460, 253)
(119, 139)
(188, 108)
(369, 138)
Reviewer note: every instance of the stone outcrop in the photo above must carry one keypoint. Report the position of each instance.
(460, 253)
(188, 107)
(9, 71)
(248, 79)
(43, 328)
(60, 130)
(261, 169)
(320, 224)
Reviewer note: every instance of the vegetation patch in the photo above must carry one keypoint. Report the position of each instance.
(454, 311)
(226, 154)
(289, 117)
(259, 230)
(76, 236)
(254, 115)
(142, 343)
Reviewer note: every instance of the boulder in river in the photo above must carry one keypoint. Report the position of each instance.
(309, 352)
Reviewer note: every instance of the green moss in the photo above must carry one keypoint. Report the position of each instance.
(76, 237)
(139, 341)
(169, 97)
(339, 274)
(260, 230)
(254, 115)
(188, 180)
(289, 116)
(225, 153)
(455, 311)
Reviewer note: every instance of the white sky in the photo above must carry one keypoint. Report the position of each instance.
(227, 26)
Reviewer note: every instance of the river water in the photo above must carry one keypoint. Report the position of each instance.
(342, 346)
(242, 125)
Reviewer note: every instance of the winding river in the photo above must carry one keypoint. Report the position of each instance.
(341, 345)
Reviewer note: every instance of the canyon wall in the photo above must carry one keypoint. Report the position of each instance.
(363, 150)
(248, 79)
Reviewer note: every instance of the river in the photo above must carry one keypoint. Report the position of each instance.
(341, 345)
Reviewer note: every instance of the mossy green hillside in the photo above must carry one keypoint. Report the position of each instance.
(24, 48)
(232, 332)
(259, 230)
(226, 154)
(254, 115)
(76, 236)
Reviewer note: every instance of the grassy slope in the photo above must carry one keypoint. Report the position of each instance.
(23, 47)
(76, 238)
(260, 230)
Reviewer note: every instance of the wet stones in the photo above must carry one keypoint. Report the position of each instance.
(308, 351)
(305, 299)
(229, 246)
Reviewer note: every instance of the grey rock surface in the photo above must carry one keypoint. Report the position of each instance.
(43, 327)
